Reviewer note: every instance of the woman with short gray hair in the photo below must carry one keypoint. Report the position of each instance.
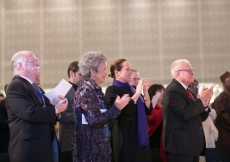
(90, 60)
(91, 140)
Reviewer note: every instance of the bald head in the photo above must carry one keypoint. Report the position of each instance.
(19, 57)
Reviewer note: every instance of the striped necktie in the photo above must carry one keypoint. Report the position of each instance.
(190, 94)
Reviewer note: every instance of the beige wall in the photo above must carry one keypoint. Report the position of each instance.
(151, 34)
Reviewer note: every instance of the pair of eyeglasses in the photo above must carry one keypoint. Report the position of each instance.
(194, 86)
(33, 60)
(187, 70)
(135, 79)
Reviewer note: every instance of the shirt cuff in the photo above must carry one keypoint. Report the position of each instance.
(59, 116)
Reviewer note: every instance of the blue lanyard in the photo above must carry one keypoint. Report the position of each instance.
(39, 93)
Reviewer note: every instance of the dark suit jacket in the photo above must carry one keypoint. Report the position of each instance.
(4, 128)
(222, 106)
(182, 119)
(30, 123)
(66, 124)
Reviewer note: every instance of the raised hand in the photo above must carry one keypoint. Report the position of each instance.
(139, 87)
(121, 102)
(206, 94)
(146, 85)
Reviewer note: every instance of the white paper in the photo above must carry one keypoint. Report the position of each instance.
(83, 120)
(61, 89)
(155, 99)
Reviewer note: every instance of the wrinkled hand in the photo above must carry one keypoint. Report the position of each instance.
(61, 105)
(206, 95)
(120, 103)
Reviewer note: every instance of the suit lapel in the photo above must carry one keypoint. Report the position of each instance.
(183, 90)
(31, 90)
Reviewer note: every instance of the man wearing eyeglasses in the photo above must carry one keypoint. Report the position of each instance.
(134, 78)
(31, 116)
(183, 114)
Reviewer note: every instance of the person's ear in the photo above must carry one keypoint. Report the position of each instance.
(71, 73)
(20, 66)
(177, 73)
(116, 74)
(92, 72)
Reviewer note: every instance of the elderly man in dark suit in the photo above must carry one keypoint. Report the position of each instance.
(31, 116)
(183, 114)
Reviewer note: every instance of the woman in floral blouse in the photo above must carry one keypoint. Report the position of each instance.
(91, 140)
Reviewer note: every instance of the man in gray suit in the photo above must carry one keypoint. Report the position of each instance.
(66, 123)
(183, 114)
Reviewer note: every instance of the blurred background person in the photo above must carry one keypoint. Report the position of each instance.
(66, 123)
(2, 97)
(129, 131)
(155, 125)
(134, 78)
(4, 128)
(222, 106)
(91, 141)
(210, 131)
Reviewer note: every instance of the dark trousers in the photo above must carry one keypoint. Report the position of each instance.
(181, 158)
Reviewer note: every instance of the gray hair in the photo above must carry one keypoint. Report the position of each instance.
(90, 60)
(175, 64)
(135, 71)
(17, 58)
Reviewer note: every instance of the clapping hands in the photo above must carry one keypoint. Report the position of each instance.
(144, 85)
(139, 87)
(206, 94)
(121, 102)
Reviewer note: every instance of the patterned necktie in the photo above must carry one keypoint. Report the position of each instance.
(39, 93)
(190, 94)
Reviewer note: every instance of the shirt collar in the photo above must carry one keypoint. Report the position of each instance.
(185, 87)
(27, 79)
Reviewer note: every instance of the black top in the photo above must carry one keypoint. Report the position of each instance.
(74, 86)
(4, 128)
(124, 130)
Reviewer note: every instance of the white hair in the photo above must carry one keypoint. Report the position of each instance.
(175, 65)
(17, 58)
